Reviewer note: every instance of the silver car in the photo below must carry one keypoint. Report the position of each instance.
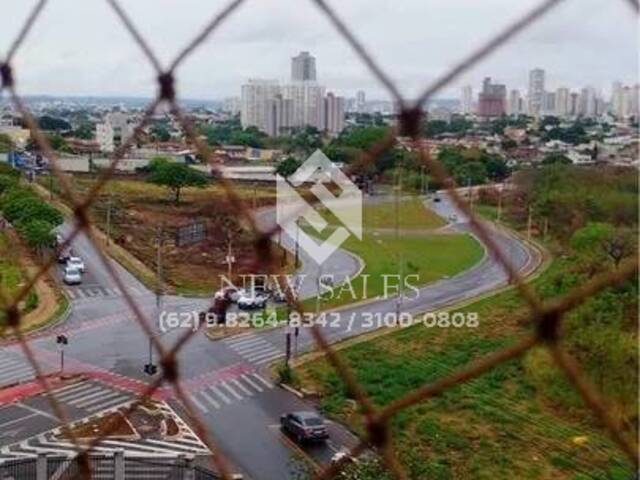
(72, 276)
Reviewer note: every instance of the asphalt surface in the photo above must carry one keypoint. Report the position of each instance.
(226, 380)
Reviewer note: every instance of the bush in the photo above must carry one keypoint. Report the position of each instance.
(32, 301)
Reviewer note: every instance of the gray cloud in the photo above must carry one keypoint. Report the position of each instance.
(79, 47)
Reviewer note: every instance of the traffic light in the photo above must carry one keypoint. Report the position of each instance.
(150, 369)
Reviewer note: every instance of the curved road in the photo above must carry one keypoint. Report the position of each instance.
(226, 379)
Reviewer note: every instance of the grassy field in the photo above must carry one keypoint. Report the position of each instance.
(499, 426)
(12, 275)
(412, 215)
(429, 257)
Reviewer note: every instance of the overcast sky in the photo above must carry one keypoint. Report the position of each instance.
(78, 47)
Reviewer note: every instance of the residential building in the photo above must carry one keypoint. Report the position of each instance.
(303, 67)
(549, 103)
(515, 103)
(333, 114)
(115, 130)
(536, 91)
(361, 101)
(562, 105)
(257, 102)
(588, 102)
(492, 99)
(440, 113)
(467, 99)
(232, 105)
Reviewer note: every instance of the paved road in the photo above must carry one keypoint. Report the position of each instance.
(226, 380)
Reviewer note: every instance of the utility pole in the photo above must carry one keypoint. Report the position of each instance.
(150, 368)
(109, 219)
(255, 196)
(297, 261)
(399, 251)
(499, 213)
(529, 222)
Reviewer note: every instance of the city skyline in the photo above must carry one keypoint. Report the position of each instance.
(259, 44)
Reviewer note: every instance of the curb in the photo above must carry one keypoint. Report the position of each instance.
(545, 260)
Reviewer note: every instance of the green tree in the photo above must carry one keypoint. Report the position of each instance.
(6, 144)
(556, 158)
(177, 176)
(30, 208)
(287, 167)
(37, 233)
(47, 122)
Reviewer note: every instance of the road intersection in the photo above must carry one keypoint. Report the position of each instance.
(227, 379)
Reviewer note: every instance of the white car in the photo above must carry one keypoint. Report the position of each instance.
(252, 301)
(230, 293)
(76, 262)
(72, 276)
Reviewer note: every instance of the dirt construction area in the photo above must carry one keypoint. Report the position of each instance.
(192, 238)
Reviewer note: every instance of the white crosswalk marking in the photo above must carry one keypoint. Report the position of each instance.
(241, 387)
(114, 402)
(66, 397)
(270, 359)
(233, 392)
(197, 403)
(91, 396)
(251, 382)
(68, 387)
(89, 399)
(210, 400)
(52, 442)
(228, 391)
(264, 382)
(254, 349)
(217, 391)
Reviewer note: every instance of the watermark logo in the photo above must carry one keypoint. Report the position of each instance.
(346, 207)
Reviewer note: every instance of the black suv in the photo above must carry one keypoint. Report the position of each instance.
(304, 426)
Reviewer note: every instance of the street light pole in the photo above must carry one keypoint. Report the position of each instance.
(297, 261)
(109, 219)
(399, 251)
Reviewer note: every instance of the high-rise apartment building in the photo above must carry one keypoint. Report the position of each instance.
(303, 67)
(333, 114)
(562, 102)
(549, 103)
(588, 103)
(257, 102)
(467, 99)
(492, 99)
(536, 91)
(515, 103)
(361, 101)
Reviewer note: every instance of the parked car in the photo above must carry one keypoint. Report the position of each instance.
(76, 262)
(304, 426)
(252, 300)
(229, 293)
(72, 276)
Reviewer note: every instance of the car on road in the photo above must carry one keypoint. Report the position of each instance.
(229, 293)
(453, 218)
(436, 199)
(72, 276)
(304, 426)
(252, 300)
(76, 262)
